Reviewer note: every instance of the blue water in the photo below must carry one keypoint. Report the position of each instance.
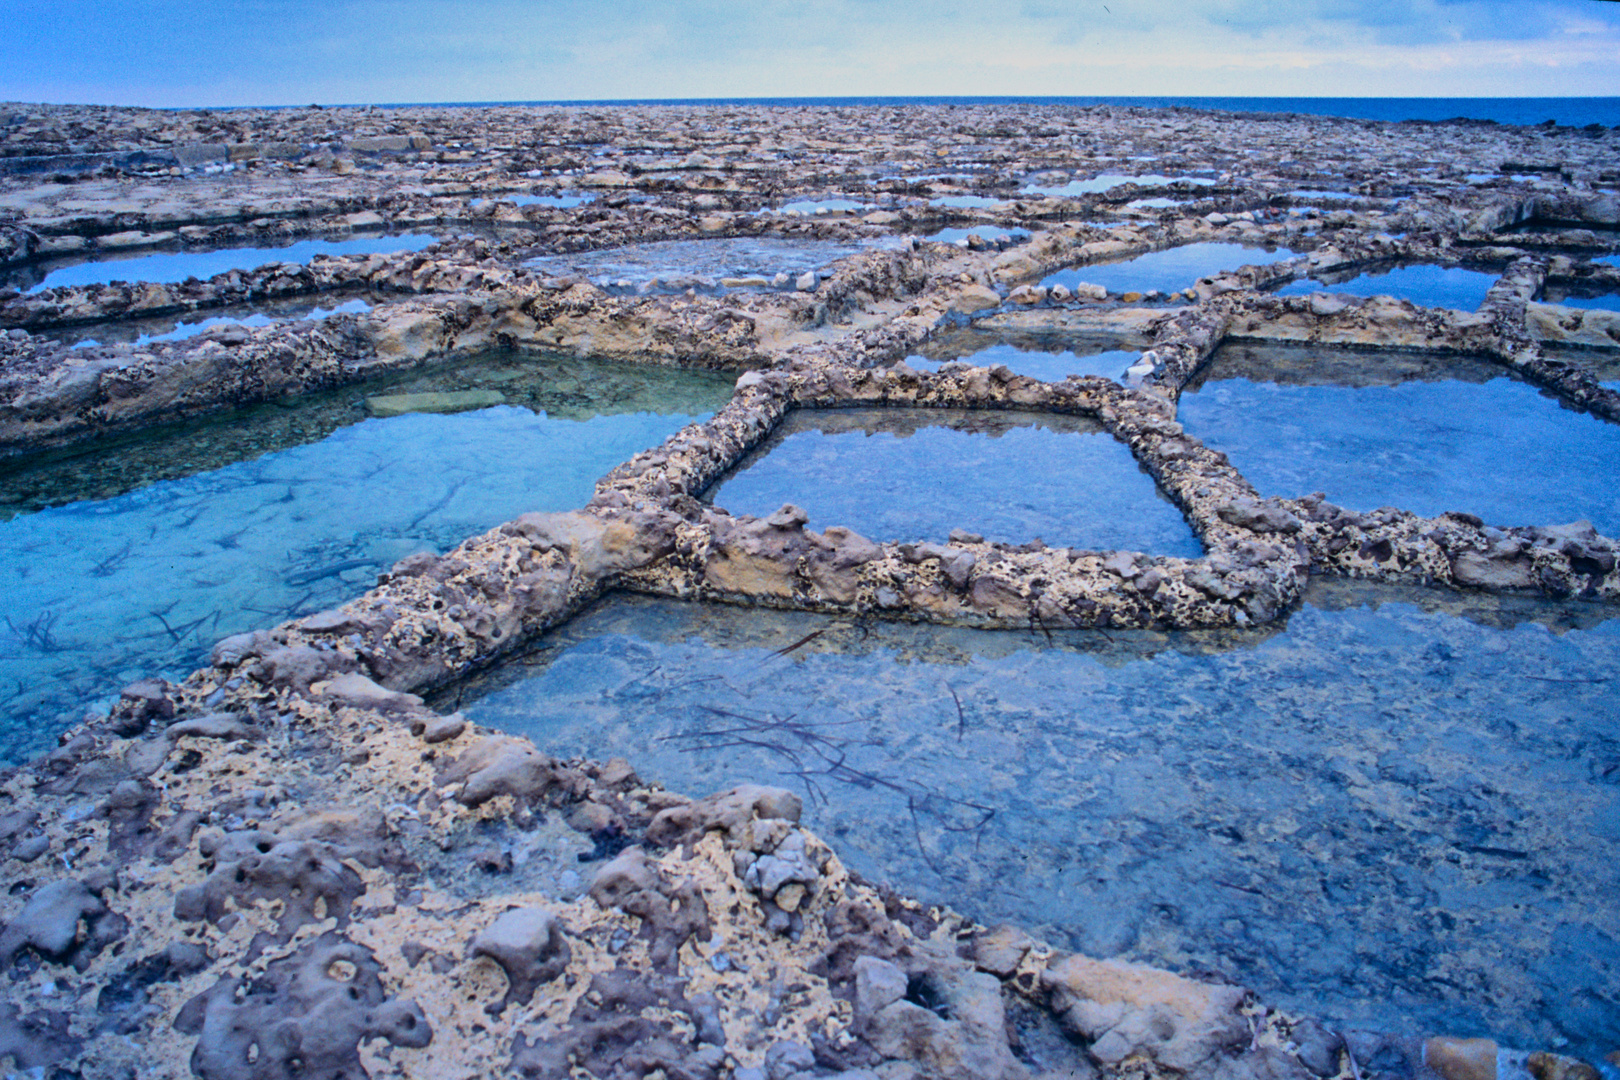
(1573, 111)
(1500, 449)
(103, 592)
(909, 475)
(561, 202)
(1610, 302)
(183, 330)
(820, 206)
(175, 267)
(1431, 286)
(966, 202)
(983, 232)
(1107, 182)
(1054, 366)
(1168, 271)
(1387, 815)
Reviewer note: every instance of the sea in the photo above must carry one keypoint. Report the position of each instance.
(1528, 111)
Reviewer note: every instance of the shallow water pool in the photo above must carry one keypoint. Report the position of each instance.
(1600, 302)
(1050, 360)
(176, 266)
(1394, 813)
(169, 328)
(703, 264)
(983, 232)
(1430, 286)
(148, 552)
(1426, 434)
(1168, 271)
(1108, 181)
(916, 474)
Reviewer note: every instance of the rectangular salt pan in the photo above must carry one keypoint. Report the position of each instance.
(1428, 286)
(1250, 804)
(916, 474)
(1492, 446)
(106, 590)
(1054, 363)
(1167, 271)
(175, 267)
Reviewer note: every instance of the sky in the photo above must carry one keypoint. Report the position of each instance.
(299, 52)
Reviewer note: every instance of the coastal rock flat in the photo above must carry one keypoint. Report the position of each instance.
(285, 861)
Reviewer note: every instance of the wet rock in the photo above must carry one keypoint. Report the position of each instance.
(530, 946)
(64, 922)
(38, 1040)
(1124, 1009)
(306, 1015)
(1545, 1066)
(1001, 950)
(1317, 1047)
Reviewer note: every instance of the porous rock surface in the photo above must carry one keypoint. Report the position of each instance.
(286, 865)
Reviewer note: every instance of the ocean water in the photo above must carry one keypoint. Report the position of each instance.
(1571, 111)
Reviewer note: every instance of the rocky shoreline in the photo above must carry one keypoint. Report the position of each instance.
(288, 863)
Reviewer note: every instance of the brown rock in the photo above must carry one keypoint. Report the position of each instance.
(1461, 1059)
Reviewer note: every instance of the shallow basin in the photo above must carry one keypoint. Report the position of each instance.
(983, 232)
(1394, 813)
(1050, 358)
(153, 549)
(172, 267)
(1424, 433)
(1430, 286)
(1170, 270)
(1587, 299)
(1108, 181)
(673, 265)
(170, 328)
(916, 474)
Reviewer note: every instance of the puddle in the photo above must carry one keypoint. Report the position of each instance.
(705, 265)
(153, 549)
(1170, 270)
(1603, 363)
(916, 474)
(169, 328)
(966, 202)
(983, 232)
(1395, 813)
(1554, 294)
(1155, 204)
(1424, 435)
(560, 202)
(1050, 359)
(1430, 286)
(1306, 193)
(1109, 181)
(812, 207)
(176, 266)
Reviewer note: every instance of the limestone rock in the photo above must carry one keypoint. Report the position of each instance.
(529, 945)
(1125, 1008)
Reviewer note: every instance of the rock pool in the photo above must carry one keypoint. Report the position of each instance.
(149, 551)
(1398, 811)
(1430, 286)
(1425, 434)
(176, 266)
(1170, 270)
(916, 474)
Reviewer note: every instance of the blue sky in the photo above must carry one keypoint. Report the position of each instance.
(241, 52)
